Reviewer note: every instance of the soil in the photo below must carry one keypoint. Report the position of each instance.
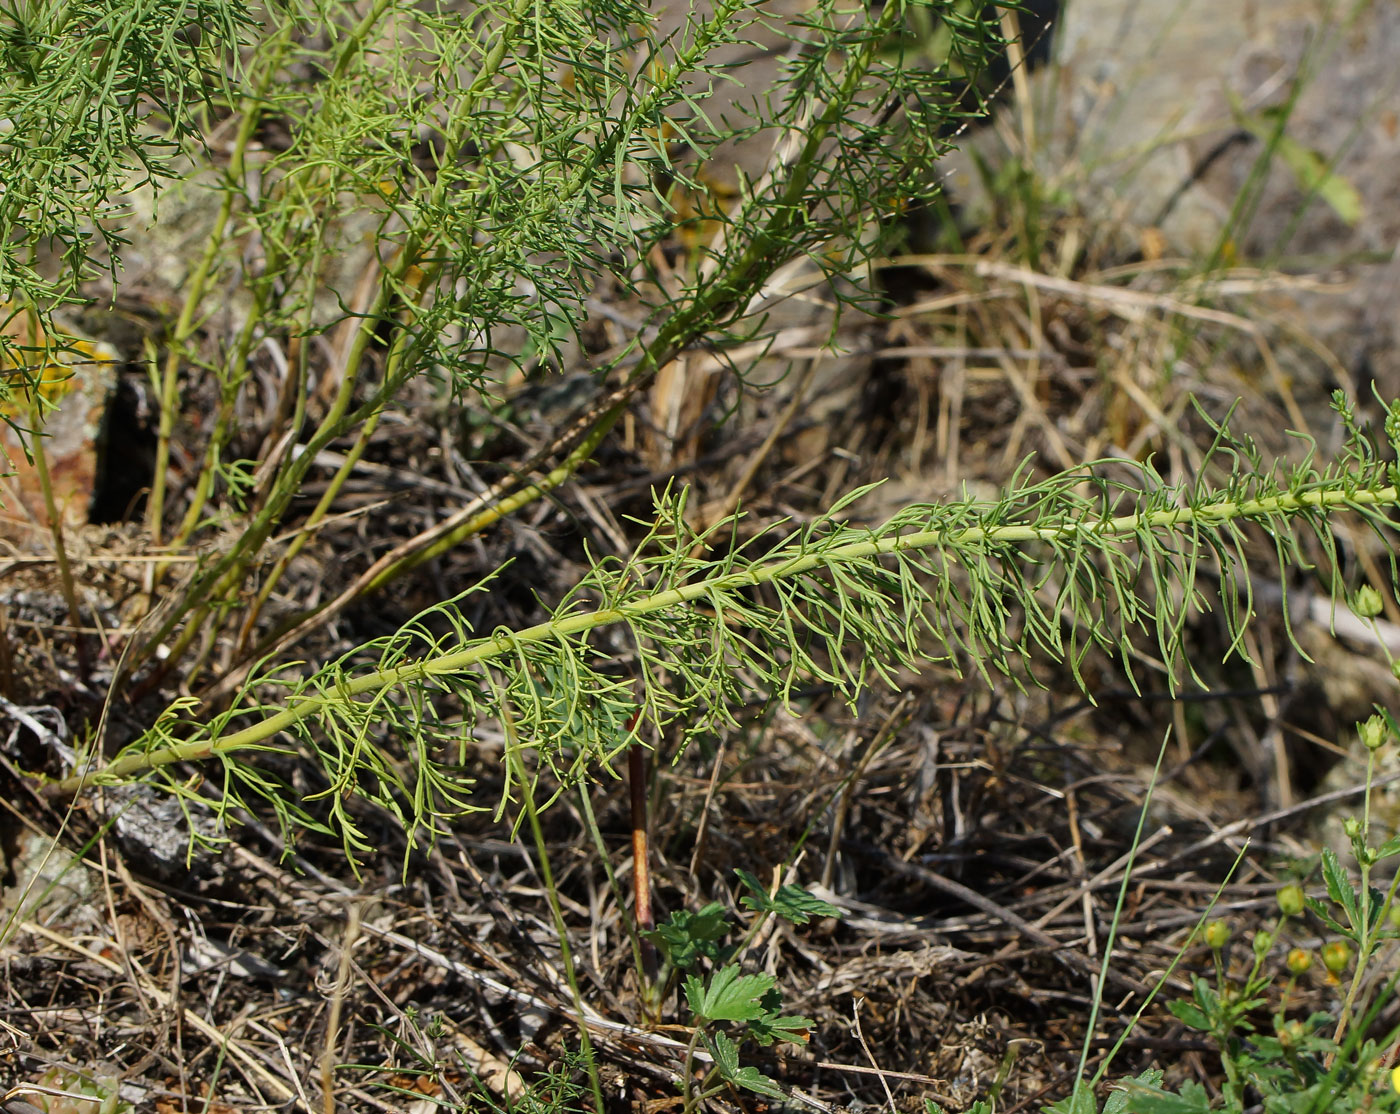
(975, 837)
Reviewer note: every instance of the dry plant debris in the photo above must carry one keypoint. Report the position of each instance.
(975, 842)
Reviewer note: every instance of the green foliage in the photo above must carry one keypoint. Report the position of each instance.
(686, 938)
(728, 995)
(483, 169)
(978, 1107)
(1052, 569)
(101, 96)
(421, 1049)
(749, 1078)
(749, 1002)
(1314, 171)
(64, 1091)
(1119, 1100)
(1296, 1064)
(501, 165)
(790, 902)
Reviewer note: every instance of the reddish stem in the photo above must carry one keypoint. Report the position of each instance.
(641, 867)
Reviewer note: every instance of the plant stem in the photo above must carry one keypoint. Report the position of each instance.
(641, 867)
(196, 285)
(227, 573)
(688, 1101)
(1365, 935)
(591, 823)
(461, 661)
(566, 956)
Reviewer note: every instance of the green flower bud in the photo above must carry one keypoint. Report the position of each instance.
(1336, 955)
(1368, 603)
(1290, 1033)
(1298, 961)
(1290, 900)
(1374, 732)
(1352, 827)
(1217, 935)
(1261, 944)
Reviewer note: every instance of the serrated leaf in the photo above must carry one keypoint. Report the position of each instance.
(795, 904)
(751, 1079)
(729, 996)
(1324, 914)
(726, 1054)
(695, 993)
(1190, 1015)
(1339, 887)
(686, 938)
(1388, 848)
(1117, 1101)
(773, 1027)
(792, 903)
(1376, 905)
(1078, 1101)
(1192, 1099)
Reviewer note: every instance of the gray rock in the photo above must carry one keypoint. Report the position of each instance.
(1138, 118)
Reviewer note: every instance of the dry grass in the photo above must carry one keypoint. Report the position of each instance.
(976, 840)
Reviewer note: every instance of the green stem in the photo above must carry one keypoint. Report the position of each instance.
(688, 1100)
(466, 659)
(227, 573)
(710, 306)
(1365, 936)
(629, 923)
(308, 528)
(708, 310)
(233, 377)
(566, 955)
(197, 284)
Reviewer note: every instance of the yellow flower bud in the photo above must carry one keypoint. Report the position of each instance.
(1290, 900)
